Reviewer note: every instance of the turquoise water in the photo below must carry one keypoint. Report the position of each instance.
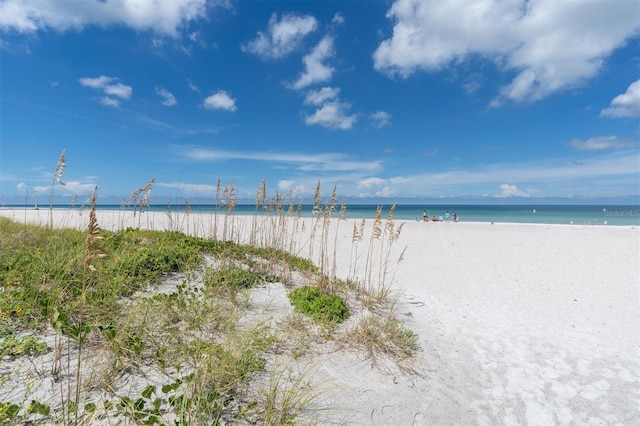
(615, 215)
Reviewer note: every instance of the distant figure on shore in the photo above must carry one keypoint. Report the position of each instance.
(425, 216)
(440, 219)
(447, 216)
(455, 216)
(433, 218)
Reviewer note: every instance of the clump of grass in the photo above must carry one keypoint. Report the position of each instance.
(323, 307)
(230, 280)
(385, 336)
(287, 396)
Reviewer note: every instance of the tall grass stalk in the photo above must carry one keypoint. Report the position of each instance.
(341, 217)
(58, 175)
(287, 397)
(387, 239)
(375, 236)
(329, 208)
(215, 209)
(356, 237)
(316, 213)
(260, 206)
(187, 213)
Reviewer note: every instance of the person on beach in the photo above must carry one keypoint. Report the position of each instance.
(447, 216)
(455, 216)
(425, 216)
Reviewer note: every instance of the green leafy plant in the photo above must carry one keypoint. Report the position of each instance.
(25, 345)
(323, 307)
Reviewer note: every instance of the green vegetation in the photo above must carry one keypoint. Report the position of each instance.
(141, 303)
(25, 345)
(313, 302)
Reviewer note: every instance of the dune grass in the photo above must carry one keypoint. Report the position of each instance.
(185, 350)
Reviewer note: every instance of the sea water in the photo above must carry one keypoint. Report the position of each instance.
(614, 215)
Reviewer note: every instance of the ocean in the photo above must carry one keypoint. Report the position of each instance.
(613, 215)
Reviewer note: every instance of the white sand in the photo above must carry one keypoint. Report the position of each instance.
(519, 324)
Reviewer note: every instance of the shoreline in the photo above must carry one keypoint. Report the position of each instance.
(104, 211)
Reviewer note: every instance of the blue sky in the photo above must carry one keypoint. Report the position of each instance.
(406, 100)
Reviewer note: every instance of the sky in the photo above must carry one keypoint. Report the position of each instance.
(496, 101)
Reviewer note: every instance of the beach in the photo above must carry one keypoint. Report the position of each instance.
(517, 323)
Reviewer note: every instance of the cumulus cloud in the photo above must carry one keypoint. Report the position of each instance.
(551, 45)
(315, 71)
(507, 190)
(220, 100)
(320, 96)
(110, 86)
(626, 104)
(381, 119)
(165, 17)
(602, 143)
(332, 115)
(282, 36)
(167, 97)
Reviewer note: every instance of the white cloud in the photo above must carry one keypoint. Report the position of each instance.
(118, 89)
(107, 101)
(602, 143)
(319, 96)
(70, 188)
(22, 186)
(381, 118)
(193, 86)
(110, 86)
(220, 100)
(338, 19)
(167, 97)
(164, 17)
(315, 71)
(604, 175)
(371, 181)
(385, 192)
(282, 37)
(626, 104)
(332, 115)
(507, 190)
(189, 189)
(301, 161)
(551, 45)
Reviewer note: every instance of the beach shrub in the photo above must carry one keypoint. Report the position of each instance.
(323, 307)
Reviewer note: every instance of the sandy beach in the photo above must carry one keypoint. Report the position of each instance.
(518, 324)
